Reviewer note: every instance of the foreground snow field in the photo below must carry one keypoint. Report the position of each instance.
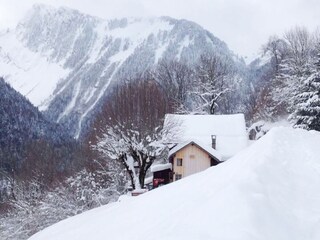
(268, 191)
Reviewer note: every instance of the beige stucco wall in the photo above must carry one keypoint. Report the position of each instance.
(194, 160)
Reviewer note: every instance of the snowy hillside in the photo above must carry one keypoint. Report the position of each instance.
(65, 61)
(268, 191)
(28, 72)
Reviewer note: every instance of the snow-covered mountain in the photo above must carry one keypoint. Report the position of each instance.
(268, 191)
(65, 61)
(22, 128)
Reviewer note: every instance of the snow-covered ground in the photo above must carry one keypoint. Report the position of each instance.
(268, 191)
(262, 127)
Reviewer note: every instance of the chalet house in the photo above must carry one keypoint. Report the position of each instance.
(204, 141)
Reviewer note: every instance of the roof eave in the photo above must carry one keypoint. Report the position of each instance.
(193, 142)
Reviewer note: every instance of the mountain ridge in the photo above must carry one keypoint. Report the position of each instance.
(86, 55)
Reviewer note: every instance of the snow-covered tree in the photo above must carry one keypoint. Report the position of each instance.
(276, 49)
(293, 70)
(213, 78)
(130, 128)
(35, 208)
(136, 150)
(307, 110)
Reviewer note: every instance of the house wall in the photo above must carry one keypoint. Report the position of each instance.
(194, 160)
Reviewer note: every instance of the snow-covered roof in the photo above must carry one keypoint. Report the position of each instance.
(160, 167)
(230, 131)
(214, 153)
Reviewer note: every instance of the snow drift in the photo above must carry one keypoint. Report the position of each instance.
(268, 191)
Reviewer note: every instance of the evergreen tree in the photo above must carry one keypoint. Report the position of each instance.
(307, 113)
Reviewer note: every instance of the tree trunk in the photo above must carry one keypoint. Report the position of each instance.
(142, 176)
(213, 105)
(129, 171)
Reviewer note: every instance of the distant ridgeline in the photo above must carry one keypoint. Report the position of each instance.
(29, 144)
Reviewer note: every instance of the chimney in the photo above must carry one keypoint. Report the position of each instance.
(214, 141)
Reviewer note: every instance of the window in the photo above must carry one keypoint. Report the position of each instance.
(178, 176)
(179, 161)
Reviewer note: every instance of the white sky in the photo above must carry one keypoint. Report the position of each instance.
(243, 24)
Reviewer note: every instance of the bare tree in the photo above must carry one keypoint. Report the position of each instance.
(176, 79)
(131, 128)
(212, 75)
(299, 42)
(277, 48)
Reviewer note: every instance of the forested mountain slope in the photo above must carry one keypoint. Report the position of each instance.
(28, 141)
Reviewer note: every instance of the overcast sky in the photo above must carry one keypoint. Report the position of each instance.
(243, 24)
